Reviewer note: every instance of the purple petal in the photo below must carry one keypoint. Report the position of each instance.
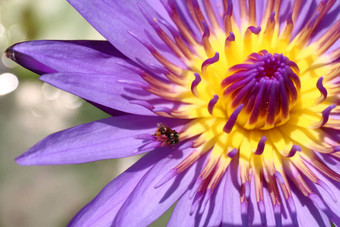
(187, 18)
(49, 56)
(85, 57)
(231, 201)
(104, 139)
(108, 110)
(254, 212)
(212, 215)
(307, 9)
(114, 19)
(103, 208)
(308, 214)
(146, 203)
(104, 90)
(331, 18)
(330, 193)
(181, 214)
(329, 160)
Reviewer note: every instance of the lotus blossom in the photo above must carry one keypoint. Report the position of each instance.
(236, 104)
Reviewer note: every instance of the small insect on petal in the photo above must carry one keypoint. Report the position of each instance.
(166, 135)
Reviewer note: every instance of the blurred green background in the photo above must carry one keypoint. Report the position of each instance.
(30, 110)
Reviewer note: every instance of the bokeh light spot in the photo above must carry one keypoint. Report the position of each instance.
(8, 83)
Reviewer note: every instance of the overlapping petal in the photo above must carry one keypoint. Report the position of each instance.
(146, 203)
(103, 89)
(102, 210)
(51, 56)
(89, 69)
(115, 19)
(209, 215)
(231, 201)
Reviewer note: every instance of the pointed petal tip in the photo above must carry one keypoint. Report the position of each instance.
(47, 78)
(205, 200)
(25, 160)
(196, 201)
(9, 52)
(171, 174)
(19, 160)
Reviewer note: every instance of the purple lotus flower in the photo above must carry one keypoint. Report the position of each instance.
(237, 103)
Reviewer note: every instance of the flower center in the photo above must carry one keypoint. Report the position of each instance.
(262, 90)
